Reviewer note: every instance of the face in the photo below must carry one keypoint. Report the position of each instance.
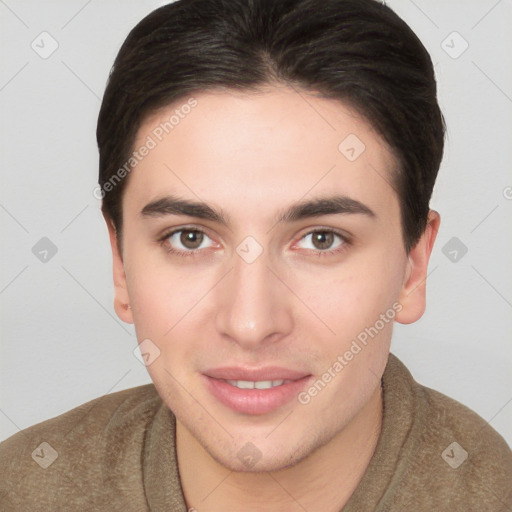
(293, 253)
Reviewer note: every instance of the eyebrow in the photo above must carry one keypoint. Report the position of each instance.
(338, 204)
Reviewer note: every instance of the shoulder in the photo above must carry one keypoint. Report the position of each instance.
(95, 418)
(463, 460)
(86, 443)
(447, 419)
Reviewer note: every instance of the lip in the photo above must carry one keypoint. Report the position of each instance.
(255, 401)
(254, 374)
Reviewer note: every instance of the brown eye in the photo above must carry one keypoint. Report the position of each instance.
(186, 241)
(191, 239)
(322, 239)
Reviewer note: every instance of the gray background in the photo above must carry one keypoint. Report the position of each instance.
(61, 342)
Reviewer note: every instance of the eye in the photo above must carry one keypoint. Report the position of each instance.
(324, 241)
(185, 241)
(189, 241)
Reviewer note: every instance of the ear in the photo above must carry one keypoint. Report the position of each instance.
(121, 298)
(413, 293)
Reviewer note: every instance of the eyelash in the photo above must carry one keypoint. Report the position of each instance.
(195, 252)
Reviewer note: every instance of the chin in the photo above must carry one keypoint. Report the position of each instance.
(245, 457)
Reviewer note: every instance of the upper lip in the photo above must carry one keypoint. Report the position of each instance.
(255, 374)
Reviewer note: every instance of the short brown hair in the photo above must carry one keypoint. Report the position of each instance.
(356, 51)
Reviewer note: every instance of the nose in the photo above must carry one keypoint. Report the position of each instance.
(254, 306)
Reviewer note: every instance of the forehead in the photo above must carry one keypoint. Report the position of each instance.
(269, 147)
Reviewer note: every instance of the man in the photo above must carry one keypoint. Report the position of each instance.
(266, 169)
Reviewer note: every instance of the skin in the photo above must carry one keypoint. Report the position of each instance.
(297, 305)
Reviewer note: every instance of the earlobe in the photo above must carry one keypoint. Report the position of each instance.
(413, 293)
(121, 297)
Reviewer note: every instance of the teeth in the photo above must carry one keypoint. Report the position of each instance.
(260, 384)
(266, 384)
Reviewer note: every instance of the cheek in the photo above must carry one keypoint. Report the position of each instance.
(163, 312)
(150, 296)
(168, 305)
(160, 294)
(157, 285)
(352, 296)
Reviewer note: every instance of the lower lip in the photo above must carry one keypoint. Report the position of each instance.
(255, 401)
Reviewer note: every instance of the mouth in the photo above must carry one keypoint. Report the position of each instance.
(261, 394)
(259, 384)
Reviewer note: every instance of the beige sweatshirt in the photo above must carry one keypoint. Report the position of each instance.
(117, 453)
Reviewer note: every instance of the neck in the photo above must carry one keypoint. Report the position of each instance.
(323, 481)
